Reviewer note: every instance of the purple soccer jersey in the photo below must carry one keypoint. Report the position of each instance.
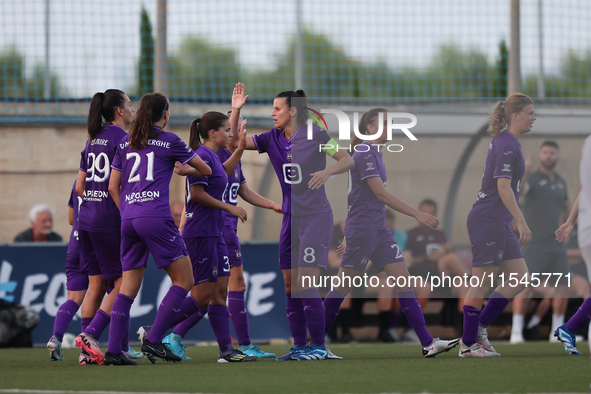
(98, 212)
(504, 160)
(231, 192)
(74, 202)
(294, 160)
(146, 174)
(365, 210)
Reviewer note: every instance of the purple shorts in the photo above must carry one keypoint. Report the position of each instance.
(159, 236)
(492, 243)
(100, 254)
(76, 280)
(310, 239)
(208, 257)
(285, 243)
(233, 244)
(370, 244)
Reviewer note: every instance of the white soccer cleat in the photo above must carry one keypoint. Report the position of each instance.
(331, 356)
(483, 340)
(439, 346)
(476, 350)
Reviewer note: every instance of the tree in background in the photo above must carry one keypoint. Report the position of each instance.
(501, 79)
(145, 67)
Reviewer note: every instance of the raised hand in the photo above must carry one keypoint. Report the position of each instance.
(238, 97)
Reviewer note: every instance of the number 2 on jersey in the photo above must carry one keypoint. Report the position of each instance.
(133, 176)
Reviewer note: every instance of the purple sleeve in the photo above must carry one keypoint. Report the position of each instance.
(202, 180)
(71, 201)
(242, 179)
(116, 164)
(83, 160)
(181, 151)
(261, 141)
(504, 158)
(367, 165)
(323, 136)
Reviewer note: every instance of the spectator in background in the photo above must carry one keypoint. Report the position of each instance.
(580, 282)
(41, 218)
(177, 209)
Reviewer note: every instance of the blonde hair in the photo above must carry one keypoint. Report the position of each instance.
(501, 116)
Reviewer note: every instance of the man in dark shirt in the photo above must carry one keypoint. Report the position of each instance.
(545, 208)
(41, 218)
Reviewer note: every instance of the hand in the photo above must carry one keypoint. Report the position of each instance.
(242, 143)
(240, 213)
(427, 219)
(513, 225)
(182, 169)
(341, 248)
(277, 208)
(238, 97)
(563, 232)
(524, 233)
(318, 179)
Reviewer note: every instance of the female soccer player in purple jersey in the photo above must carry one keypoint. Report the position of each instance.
(76, 285)
(99, 219)
(494, 245)
(202, 231)
(367, 236)
(140, 178)
(299, 161)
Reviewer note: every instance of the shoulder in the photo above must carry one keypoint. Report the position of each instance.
(54, 237)
(413, 232)
(24, 236)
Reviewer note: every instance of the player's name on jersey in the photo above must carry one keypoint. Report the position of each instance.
(162, 144)
(99, 141)
(95, 195)
(146, 195)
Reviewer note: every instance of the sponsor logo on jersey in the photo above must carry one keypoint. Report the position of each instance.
(370, 166)
(506, 168)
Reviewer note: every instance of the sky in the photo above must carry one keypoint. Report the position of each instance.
(94, 44)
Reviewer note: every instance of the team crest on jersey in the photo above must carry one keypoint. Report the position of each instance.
(364, 260)
(506, 168)
(215, 271)
(500, 257)
(236, 174)
(289, 156)
(370, 166)
(238, 254)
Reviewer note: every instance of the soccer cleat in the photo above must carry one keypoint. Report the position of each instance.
(89, 343)
(85, 359)
(476, 350)
(483, 340)
(439, 346)
(117, 359)
(288, 356)
(173, 342)
(567, 338)
(312, 353)
(330, 355)
(255, 351)
(159, 350)
(235, 356)
(143, 332)
(132, 354)
(55, 349)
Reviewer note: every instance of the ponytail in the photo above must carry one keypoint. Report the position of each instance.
(152, 107)
(501, 116)
(300, 104)
(200, 127)
(366, 119)
(103, 105)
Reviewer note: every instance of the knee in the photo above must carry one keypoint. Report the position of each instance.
(186, 283)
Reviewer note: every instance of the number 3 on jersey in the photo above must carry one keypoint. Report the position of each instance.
(133, 176)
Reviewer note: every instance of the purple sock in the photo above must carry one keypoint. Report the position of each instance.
(332, 306)
(296, 319)
(239, 316)
(98, 324)
(183, 327)
(471, 322)
(84, 322)
(167, 312)
(188, 308)
(394, 319)
(495, 305)
(125, 339)
(412, 310)
(580, 317)
(63, 318)
(119, 323)
(314, 311)
(219, 318)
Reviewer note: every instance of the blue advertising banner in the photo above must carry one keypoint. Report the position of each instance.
(34, 275)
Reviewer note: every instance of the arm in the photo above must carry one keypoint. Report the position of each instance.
(71, 215)
(344, 163)
(81, 183)
(564, 231)
(252, 197)
(114, 186)
(232, 162)
(376, 185)
(183, 220)
(564, 215)
(198, 194)
(508, 198)
(195, 167)
(238, 101)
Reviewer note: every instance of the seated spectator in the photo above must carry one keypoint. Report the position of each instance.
(41, 218)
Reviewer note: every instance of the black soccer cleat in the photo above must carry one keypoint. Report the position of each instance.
(159, 350)
(117, 359)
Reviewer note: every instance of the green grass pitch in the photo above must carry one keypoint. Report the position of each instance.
(367, 368)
